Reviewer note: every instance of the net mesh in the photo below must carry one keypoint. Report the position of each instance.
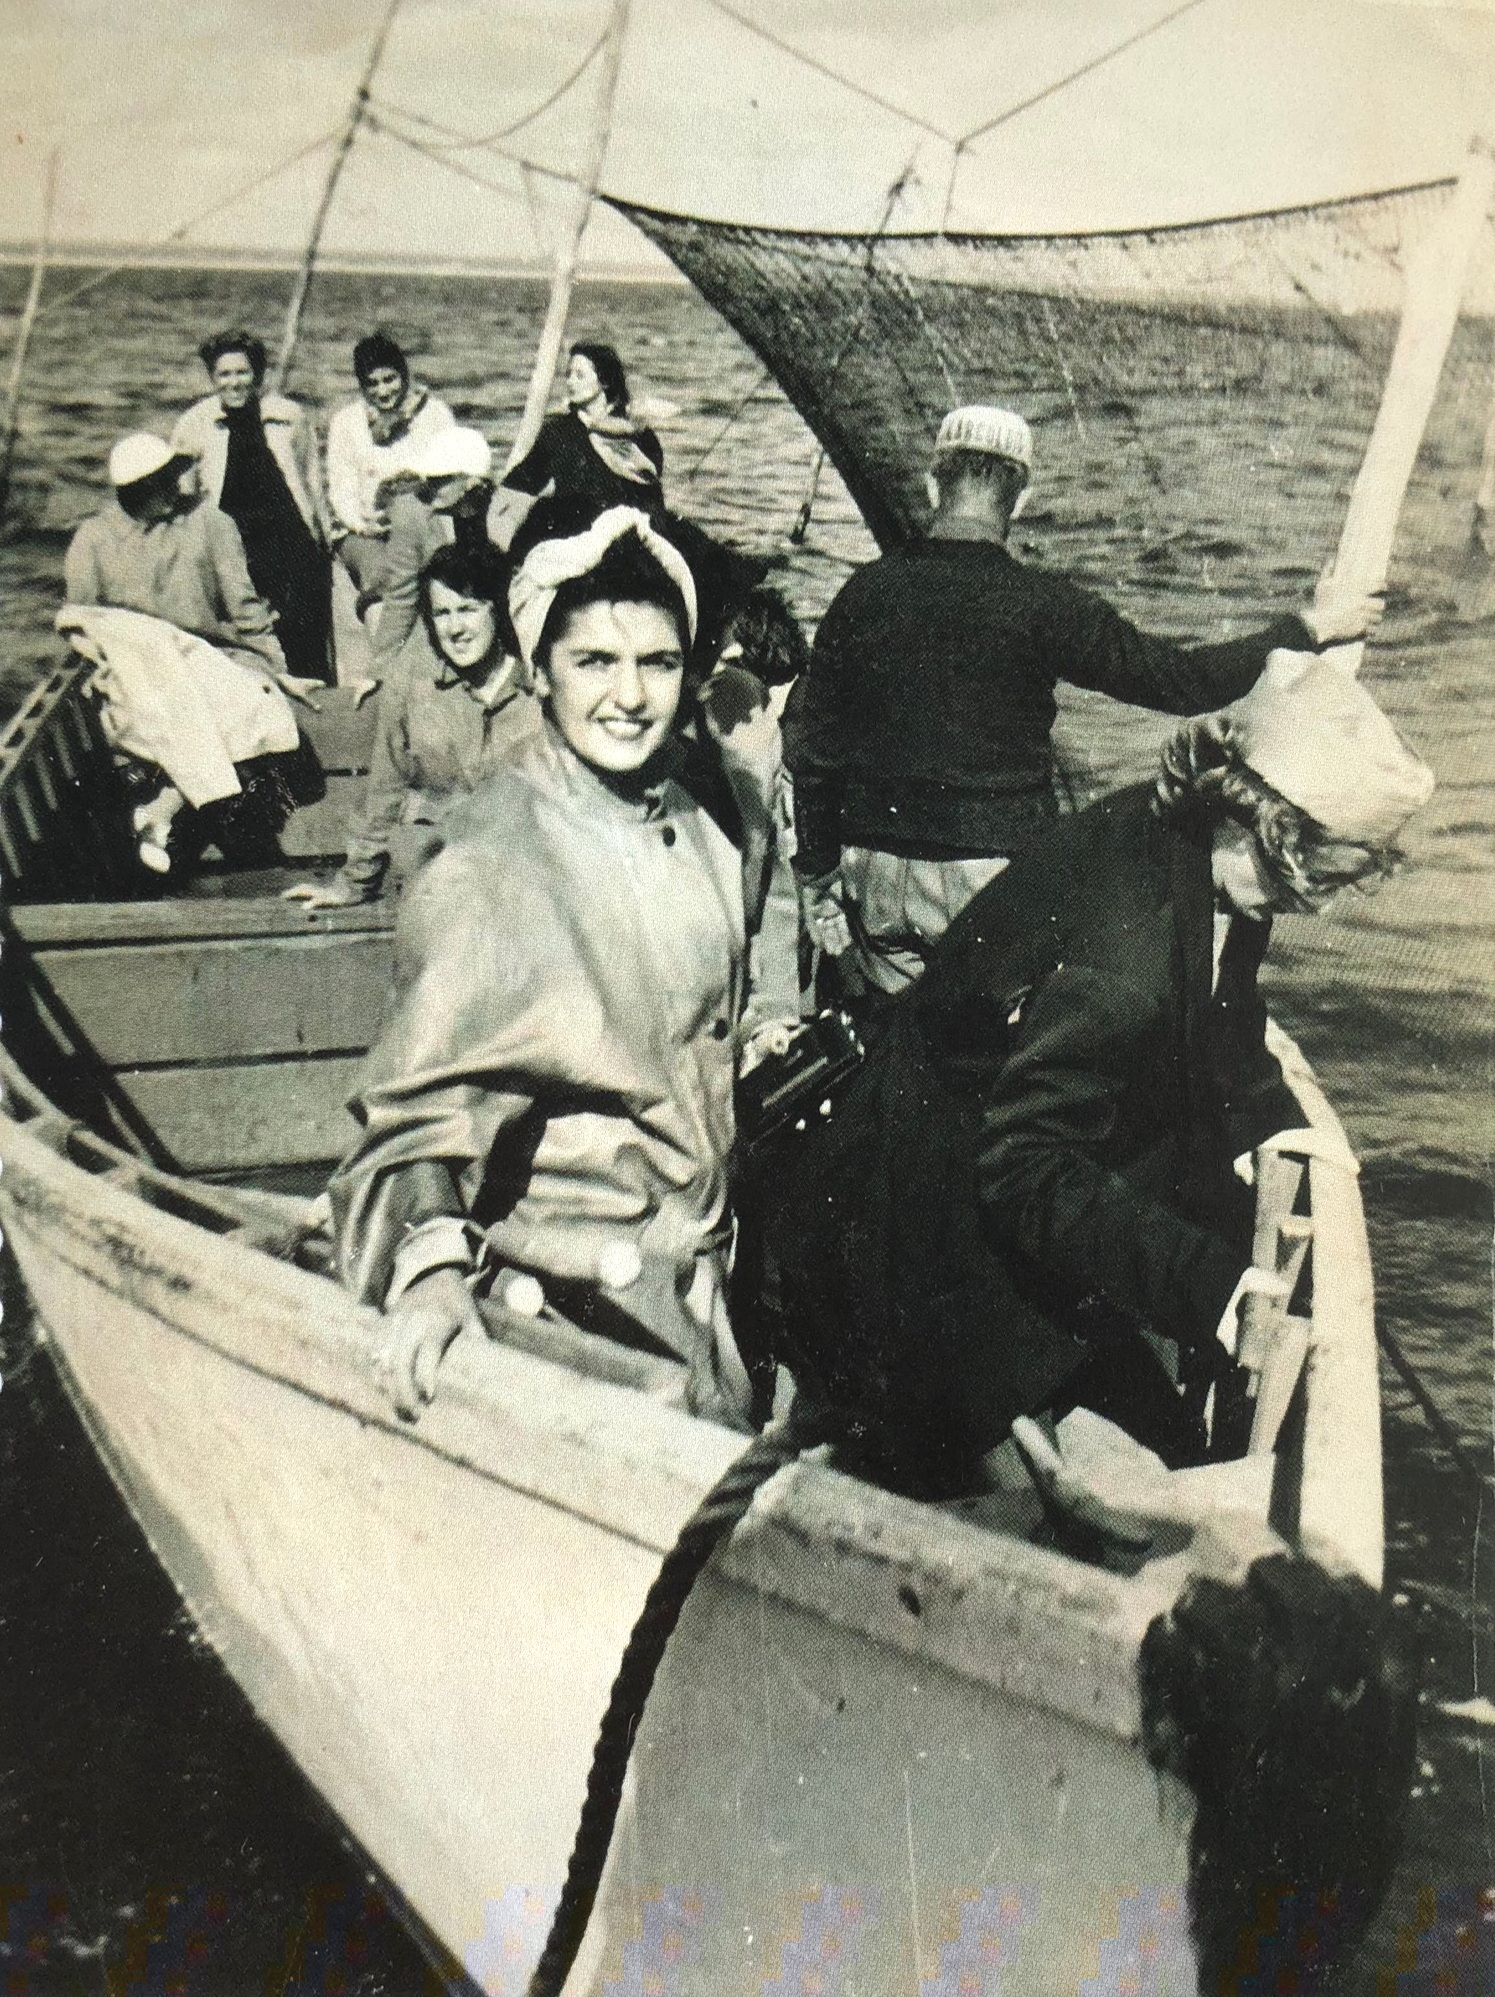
(1201, 395)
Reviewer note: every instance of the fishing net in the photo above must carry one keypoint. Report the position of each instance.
(1201, 395)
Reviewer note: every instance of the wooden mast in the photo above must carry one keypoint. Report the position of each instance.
(1437, 273)
(340, 154)
(23, 330)
(553, 331)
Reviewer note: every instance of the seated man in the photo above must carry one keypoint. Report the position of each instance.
(166, 555)
(1035, 1162)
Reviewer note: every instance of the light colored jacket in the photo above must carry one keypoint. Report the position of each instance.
(189, 570)
(357, 465)
(202, 433)
(570, 974)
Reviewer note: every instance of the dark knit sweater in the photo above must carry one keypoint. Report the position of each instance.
(927, 711)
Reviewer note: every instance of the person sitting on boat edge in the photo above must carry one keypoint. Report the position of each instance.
(168, 554)
(257, 460)
(1036, 1161)
(920, 738)
(449, 502)
(593, 450)
(551, 1105)
(448, 718)
(370, 441)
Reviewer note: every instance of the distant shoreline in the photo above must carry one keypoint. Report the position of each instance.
(135, 256)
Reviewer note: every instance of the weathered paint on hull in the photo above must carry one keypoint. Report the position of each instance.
(430, 1623)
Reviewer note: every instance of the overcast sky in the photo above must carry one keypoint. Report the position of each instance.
(163, 107)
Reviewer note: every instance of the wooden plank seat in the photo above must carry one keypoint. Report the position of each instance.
(208, 1035)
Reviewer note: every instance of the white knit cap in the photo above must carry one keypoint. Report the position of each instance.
(1316, 735)
(455, 452)
(141, 455)
(550, 563)
(980, 426)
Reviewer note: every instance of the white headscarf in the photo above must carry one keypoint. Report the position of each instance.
(551, 563)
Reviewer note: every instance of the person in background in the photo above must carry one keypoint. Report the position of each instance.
(453, 470)
(551, 1106)
(1046, 1150)
(921, 755)
(168, 554)
(447, 719)
(370, 441)
(257, 461)
(593, 450)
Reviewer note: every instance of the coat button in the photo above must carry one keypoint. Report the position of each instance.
(667, 834)
(719, 1029)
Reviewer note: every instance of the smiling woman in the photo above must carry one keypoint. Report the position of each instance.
(256, 458)
(551, 1107)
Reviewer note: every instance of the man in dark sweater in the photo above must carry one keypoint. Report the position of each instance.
(920, 753)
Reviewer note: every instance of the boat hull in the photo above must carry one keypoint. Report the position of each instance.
(882, 1738)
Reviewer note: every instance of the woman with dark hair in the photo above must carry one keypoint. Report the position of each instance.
(257, 460)
(556, 1084)
(369, 442)
(593, 450)
(447, 719)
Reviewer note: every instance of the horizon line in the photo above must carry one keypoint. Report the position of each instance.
(372, 263)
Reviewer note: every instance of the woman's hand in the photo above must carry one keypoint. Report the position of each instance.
(428, 1317)
(1340, 616)
(301, 689)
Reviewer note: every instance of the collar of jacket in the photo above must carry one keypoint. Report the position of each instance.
(500, 687)
(273, 409)
(576, 783)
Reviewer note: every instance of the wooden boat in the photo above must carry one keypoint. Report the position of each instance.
(894, 1747)
(883, 1729)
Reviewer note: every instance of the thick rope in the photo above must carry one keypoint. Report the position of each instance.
(725, 1505)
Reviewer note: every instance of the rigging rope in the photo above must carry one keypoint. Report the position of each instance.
(723, 1508)
(376, 124)
(183, 229)
(461, 144)
(1074, 76)
(521, 160)
(812, 62)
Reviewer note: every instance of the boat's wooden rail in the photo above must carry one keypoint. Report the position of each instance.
(64, 827)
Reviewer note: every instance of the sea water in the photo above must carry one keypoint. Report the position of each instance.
(152, 1835)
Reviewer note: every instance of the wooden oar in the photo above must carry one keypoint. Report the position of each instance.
(1437, 273)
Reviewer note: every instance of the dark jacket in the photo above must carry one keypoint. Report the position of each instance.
(1042, 1138)
(565, 457)
(929, 703)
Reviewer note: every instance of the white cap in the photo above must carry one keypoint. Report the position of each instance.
(452, 453)
(980, 426)
(1319, 739)
(141, 455)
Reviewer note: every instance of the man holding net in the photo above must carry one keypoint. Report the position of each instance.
(921, 754)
